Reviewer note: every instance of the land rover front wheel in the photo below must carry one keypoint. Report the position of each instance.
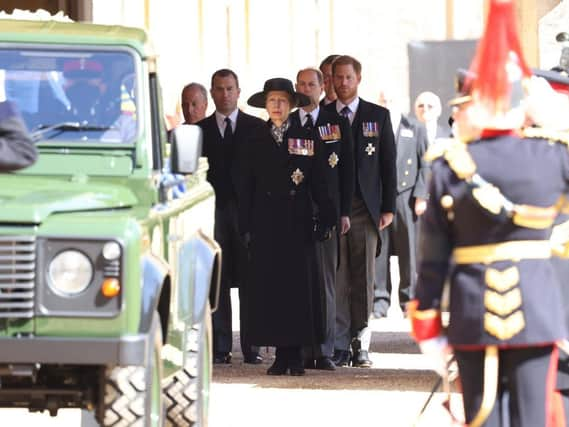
(132, 394)
(186, 394)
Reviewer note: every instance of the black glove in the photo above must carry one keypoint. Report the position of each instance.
(246, 239)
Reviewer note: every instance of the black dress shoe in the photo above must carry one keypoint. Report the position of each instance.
(325, 364)
(309, 364)
(297, 371)
(279, 367)
(222, 358)
(341, 357)
(361, 360)
(253, 359)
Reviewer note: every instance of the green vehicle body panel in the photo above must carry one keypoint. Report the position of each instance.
(75, 33)
(104, 191)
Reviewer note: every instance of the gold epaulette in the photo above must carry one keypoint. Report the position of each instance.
(456, 154)
(547, 134)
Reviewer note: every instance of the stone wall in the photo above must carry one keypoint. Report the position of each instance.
(260, 39)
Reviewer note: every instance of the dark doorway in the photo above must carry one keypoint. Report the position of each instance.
(433, 65)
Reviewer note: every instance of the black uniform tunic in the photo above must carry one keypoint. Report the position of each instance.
(527, 171)
(276, 193)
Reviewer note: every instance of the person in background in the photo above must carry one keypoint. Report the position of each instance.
(373, 207)
(194, 103)
(334, 136)
(17, 150)
(326, 69)
(279, 182)
(401, 238)
(427, 111)
(224, 133)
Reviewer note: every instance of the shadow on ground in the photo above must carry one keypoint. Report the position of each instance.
(376, 378)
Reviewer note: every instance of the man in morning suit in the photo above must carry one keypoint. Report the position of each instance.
(412, 188)
(373, 206)
(224, 132)
(333, 133)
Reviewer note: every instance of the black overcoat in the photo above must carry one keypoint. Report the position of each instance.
(282, 286)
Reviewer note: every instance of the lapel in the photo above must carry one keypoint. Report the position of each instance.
(213, 129)
(403, 124)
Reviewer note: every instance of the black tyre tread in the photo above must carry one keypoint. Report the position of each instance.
(125, 392)
(180, 394)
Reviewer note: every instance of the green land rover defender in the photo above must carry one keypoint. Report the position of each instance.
(108, 273)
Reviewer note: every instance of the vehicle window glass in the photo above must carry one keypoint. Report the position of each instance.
(72, 95)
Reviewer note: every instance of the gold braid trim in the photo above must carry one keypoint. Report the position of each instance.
(490, 387)
(548, 134)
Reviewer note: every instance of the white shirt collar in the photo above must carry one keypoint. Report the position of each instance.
(353, 106)
(314, 113)
(220, 119)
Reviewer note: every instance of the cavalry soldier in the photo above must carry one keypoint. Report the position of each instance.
(493, 201)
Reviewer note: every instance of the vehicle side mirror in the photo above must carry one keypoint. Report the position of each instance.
(186, 149)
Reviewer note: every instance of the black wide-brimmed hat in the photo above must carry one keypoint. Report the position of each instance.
(285, 85)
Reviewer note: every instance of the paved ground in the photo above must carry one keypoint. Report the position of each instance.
(391, 394)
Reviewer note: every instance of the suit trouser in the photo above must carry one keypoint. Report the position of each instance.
(234, 260)
(400, 239)
(327, 259)
(523, 373)
(354, 284)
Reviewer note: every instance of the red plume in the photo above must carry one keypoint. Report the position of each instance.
(500, 69)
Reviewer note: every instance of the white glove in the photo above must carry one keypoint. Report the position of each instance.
(437, 351)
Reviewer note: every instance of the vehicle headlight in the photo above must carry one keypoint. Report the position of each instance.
(70, 272)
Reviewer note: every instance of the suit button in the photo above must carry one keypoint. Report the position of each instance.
(292, 193)
(403, 183)
(409, 161)
(406, 172)
(269, 193)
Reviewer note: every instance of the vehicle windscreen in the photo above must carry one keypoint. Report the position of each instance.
(72, 95)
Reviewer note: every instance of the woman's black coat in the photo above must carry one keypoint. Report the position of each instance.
(282, 290)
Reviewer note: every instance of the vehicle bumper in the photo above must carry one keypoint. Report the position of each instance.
(127, 350)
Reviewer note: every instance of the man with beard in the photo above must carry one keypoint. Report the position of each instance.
(373, 206)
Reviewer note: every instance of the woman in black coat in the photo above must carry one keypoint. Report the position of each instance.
(280, 184)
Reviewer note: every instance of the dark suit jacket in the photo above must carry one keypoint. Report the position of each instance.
(412, 168)
(221, 157)
(16, 148)
(339, 174)
(374, 158)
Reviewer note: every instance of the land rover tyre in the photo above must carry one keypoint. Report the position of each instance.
(186, 394)
(132, 394)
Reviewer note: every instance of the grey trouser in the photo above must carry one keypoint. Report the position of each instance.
(400, 239)
(354, 285)
(327, 258)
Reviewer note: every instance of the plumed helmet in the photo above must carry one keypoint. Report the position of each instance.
(499, 72)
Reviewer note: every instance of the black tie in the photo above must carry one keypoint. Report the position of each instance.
(309, 124)
(228, 132)
(346, 112)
